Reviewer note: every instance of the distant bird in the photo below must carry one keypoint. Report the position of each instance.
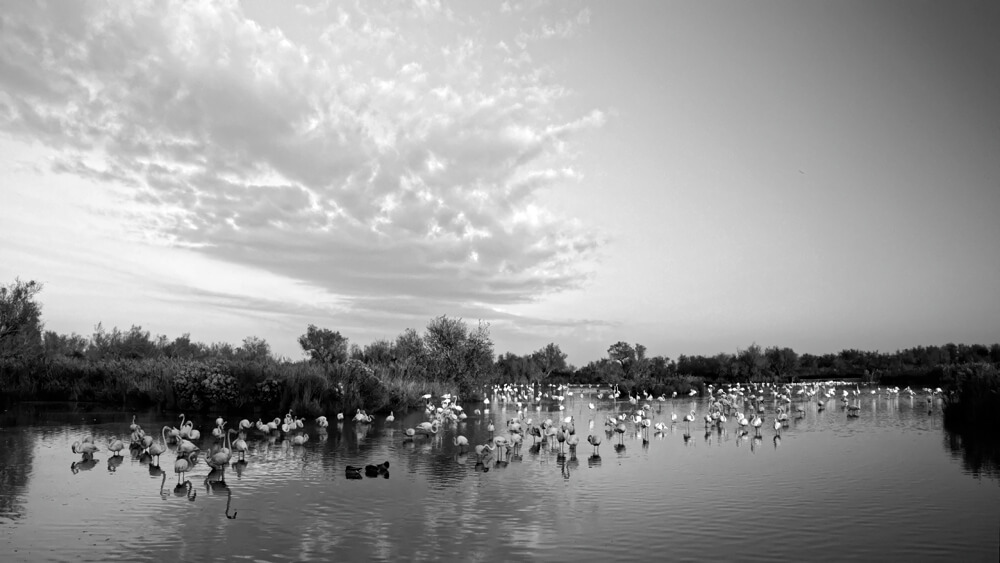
(391, 417)
(462, 442)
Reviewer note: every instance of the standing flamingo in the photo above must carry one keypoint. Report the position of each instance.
(155, 449)
(115, 445)
(689, 418)
(185, 464)
(595, 440)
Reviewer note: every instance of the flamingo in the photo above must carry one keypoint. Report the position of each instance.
(156, 449)
(240, 445)
(572, 440)
(185, 464)
(462, 442)
(501, 443)
(620, 429)
(595, 440)
(689, 418)
(777, 426)
(185, 447)
(221, 458)
(322, 422)
(192, 433)
(183, 427)
(115, 445)
(391, 417)
(300, 439)
(87, 448)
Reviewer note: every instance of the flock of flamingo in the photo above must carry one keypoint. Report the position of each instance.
(745, 407)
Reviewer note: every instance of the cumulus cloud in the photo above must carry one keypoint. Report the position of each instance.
(380, 154)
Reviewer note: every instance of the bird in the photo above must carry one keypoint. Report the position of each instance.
(185, 464)
(595, 440)
(87, 448)
(391, 417)
(376, 470)
(462, 442)
(620, 429)
(155, 449)
(240, 445)
(689, 418)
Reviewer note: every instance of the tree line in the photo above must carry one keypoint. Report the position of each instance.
(449, 351)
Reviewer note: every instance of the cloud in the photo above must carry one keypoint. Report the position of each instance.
(383, 155)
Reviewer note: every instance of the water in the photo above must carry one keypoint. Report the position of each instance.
(889, 484)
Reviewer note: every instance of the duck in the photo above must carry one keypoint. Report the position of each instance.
(375, 470)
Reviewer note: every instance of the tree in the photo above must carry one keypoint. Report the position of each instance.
(750, 362)
(20, 320)
(409, 349)
(454, 353)
(72, 345)
(781, 361)
(324, 345)
(622, 352)
(549, 359)
(512, 368)
(378, 353)
(254, 349)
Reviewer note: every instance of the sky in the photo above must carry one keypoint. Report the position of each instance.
(695, 177)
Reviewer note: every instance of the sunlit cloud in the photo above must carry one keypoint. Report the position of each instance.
(392, 157)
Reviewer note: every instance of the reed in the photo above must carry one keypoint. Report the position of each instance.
(973, 394)
(306, 388)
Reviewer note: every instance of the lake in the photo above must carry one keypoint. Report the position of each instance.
(888, 483)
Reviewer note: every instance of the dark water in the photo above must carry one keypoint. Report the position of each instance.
(891, 484)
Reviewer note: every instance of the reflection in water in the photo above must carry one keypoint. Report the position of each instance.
(312, 501)
(977, 446)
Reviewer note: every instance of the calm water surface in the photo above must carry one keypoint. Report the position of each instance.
(890, 484)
